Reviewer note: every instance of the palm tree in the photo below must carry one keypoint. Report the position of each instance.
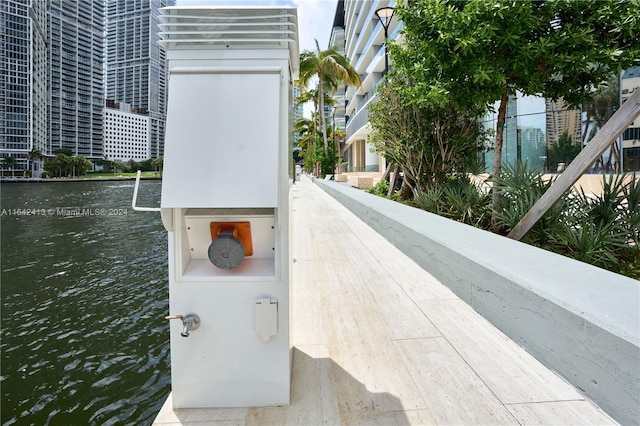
(331, 69)
(157, 163)
(34, 154)
(307, 129)
(308, 95)
(10, 162)
(338, 136)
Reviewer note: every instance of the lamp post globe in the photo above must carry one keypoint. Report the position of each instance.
(385, 15)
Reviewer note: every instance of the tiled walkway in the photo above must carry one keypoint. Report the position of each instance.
(377, 340)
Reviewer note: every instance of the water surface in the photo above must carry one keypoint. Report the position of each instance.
(83, 291)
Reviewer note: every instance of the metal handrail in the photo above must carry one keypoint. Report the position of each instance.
(135, 198)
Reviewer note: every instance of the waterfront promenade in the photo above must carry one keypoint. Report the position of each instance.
(378, 340)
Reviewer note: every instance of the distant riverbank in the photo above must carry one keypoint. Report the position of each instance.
(79, 179)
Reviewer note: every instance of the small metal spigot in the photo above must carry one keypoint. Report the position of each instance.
(190, 322)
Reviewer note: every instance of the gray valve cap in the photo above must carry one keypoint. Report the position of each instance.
(226, 252)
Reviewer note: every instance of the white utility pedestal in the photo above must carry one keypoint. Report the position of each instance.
(225, 202)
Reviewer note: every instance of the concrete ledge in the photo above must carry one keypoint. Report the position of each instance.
(362, 182)
(580, 321)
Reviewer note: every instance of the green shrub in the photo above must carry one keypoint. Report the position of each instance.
(598, 229)
(381, 188)
(457, 198)
(602, 230)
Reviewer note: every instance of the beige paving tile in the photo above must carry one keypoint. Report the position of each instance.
(402, 318)
(511, 373)
(559, 413)
(370, 374)
(376, 251)
(196, 416)
(307, 321)
(342, 289)
(453, 392)
(313, 396)
(377, 418)
(417, 283)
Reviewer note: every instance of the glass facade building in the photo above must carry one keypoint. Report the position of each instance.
(58, 60)
(136, 64)
(75, 76)
(51, 79)
(23, 82)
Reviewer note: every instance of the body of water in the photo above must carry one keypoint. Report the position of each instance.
(84, 292)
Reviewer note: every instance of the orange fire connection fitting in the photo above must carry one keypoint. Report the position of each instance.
(240, 230)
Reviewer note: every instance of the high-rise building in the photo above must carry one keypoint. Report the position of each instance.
(560, 120)
(136, 66)
(338, 110)
(365, 48)
(75, 76)
(126, 134)
(23, 82)
(531, 147)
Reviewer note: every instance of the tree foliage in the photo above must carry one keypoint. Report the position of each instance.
(482, 51)
(429, 141)
(308, 140)
(564, 150)
(330, 68)
(64, 165)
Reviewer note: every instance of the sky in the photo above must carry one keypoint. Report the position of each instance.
(315, 17)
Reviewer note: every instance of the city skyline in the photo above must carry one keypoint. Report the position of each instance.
(63, 60)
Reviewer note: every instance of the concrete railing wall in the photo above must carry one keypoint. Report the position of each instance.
(580, 321)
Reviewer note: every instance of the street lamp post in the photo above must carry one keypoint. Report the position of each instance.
(333, 132)
(385, 15)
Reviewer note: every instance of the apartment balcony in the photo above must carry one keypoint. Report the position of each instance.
(377, 62)
(357, 125)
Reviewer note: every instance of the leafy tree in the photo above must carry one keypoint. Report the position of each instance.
(120, 167)
(328, 158)
(309, 139)
(66, 151)
(64, 165)
(428, 140)
(58, 166)
(146, 165)
(483, 51)
(81, 165)
(133, 165)
(331, 69)
(10, 163)
(158, 163)
(562, 151)
(338, 136)
(107, 164)
(309, 129)
(309, 95)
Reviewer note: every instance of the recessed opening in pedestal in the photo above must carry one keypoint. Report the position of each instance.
(196, 237)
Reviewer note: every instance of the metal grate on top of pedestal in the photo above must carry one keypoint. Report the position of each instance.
(229, 28)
